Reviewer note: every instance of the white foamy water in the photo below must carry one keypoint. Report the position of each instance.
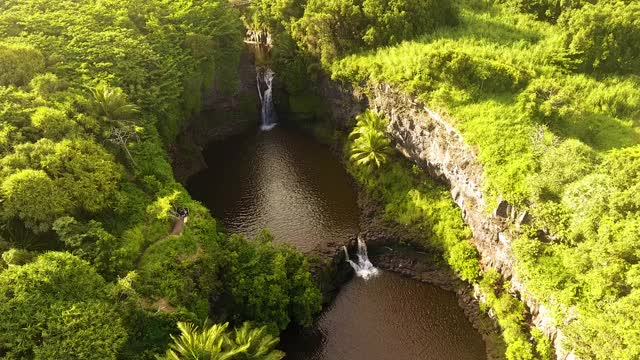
(268, 113)
(363, 268)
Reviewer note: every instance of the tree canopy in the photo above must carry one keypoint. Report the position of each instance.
(62, 303)
(92, 94)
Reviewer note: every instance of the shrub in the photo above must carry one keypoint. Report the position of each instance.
(54, 123)
(57, 307)
(19, 63)
(510, 313)
(46, 84)
(547, 10)
(31, 196)
(17, 257)
(559, 166)
(184, 271)
(605, 37)
(331, 28)
(390, 22)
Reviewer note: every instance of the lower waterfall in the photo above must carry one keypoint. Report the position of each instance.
(363, 268)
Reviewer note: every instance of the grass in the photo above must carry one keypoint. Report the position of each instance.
(475, 73)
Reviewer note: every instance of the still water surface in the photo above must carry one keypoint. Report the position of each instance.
(388, 317)
(280, 180)
(285, 181)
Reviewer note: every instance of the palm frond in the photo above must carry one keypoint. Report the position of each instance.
(112, 103)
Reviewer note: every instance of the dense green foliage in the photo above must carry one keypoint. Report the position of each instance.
(548, 95)
(91, 95)
(548, 10)
(58, 307)
(216, 343)
(511, 317)
(269, 284)
(604, 37)
(328, 29)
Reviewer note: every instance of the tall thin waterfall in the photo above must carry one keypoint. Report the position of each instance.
(269, 116)
(363, 268)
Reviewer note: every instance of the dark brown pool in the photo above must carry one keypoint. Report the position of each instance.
(388, 317)
(280, 180)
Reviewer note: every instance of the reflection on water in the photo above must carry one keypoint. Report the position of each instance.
(388, 317)
(280, 180)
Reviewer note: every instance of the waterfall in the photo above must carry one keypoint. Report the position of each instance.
(363, 268)
(269, 117)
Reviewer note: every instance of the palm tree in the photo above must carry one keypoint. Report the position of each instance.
(208, 344)
(261, 344)
(216, 343)
(115, 108)
(369, 143)
(366, 121)
(371, 147)
(113, 103)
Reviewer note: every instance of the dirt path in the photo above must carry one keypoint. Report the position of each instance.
(178, 227)
(177, 230)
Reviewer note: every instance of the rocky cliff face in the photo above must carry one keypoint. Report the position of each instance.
(435, 145)
(223, 114)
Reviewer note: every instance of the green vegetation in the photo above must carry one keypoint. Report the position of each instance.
(511, 317)
(216, 343)
(418, 202)
(268, 284)
(328, 29)
(91, 95)
(58, 307)
(547, 92)
(370, 144)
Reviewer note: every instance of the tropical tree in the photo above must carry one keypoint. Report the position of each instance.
(208, 344)
(604, 36)
(261, 345)
(34, 198)
(47, 179)
(369, 143)
(57, 307)
(216, 343)
(18, 64)
(366, 121)
(114, 107)
(268, 283)
(113, 104)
